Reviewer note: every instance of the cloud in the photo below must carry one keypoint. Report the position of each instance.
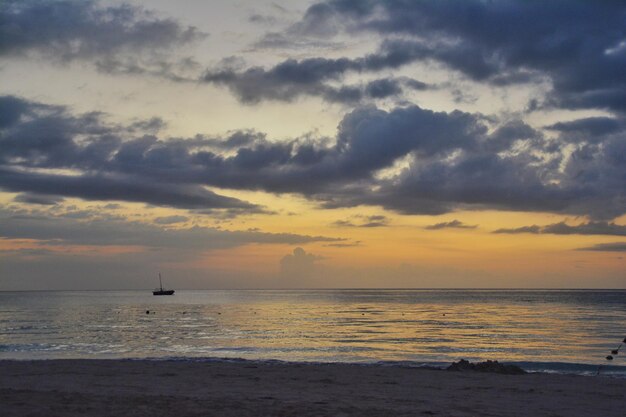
(171, 219)
(108, 188)
(590, 126)
(44, 138)
(343, 245)
(451, 160)
(117, 38)
(364, 221)
(284, 41)
(524, 229)
(577, 46)
(454, 224)
(63, 230)
(606, 247)
(37, 199)
(590, 228)
(292, 79)
(299, 265)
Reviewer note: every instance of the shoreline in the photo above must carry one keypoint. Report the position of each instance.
(239, 387)
(608, 369)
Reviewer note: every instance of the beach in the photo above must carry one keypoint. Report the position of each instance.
(77, 387)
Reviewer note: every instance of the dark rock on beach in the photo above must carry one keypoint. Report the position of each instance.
(488, 366)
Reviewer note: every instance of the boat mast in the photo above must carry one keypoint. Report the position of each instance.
(160, 283)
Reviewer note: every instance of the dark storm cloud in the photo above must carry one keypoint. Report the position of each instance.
(56, 230)
(119, 38)
(606, 247)
(454, 224)
(578, 45)
(451, 161)
(590, 228)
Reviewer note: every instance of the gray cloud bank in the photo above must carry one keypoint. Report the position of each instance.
(579, 46)
(116, 38)
(455, 160)
(63, 230)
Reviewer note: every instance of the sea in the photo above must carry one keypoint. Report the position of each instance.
(563, 331)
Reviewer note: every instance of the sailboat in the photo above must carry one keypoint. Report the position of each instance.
(160, 290)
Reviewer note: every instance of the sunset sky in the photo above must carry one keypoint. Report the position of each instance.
(341, 143)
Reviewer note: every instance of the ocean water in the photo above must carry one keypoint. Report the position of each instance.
(553, 331)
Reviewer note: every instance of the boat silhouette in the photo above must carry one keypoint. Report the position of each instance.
(160, 290)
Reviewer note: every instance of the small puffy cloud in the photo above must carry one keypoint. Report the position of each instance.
(299, 265)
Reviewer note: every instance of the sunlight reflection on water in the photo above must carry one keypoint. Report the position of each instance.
(329, 325)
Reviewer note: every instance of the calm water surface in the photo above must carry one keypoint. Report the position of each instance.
(544, 329)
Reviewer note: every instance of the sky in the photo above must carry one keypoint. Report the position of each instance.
(312, 144)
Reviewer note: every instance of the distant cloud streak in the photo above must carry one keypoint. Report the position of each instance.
(364, 221)
(454, 224)
(606, 247)
(59, 230)
(590, 228)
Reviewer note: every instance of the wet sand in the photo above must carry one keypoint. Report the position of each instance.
(240, 388)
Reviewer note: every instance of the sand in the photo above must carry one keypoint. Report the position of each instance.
(182, 388)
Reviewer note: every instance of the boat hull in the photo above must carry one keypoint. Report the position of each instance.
(163, 292)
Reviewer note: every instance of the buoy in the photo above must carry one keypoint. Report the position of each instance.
(147, 311)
